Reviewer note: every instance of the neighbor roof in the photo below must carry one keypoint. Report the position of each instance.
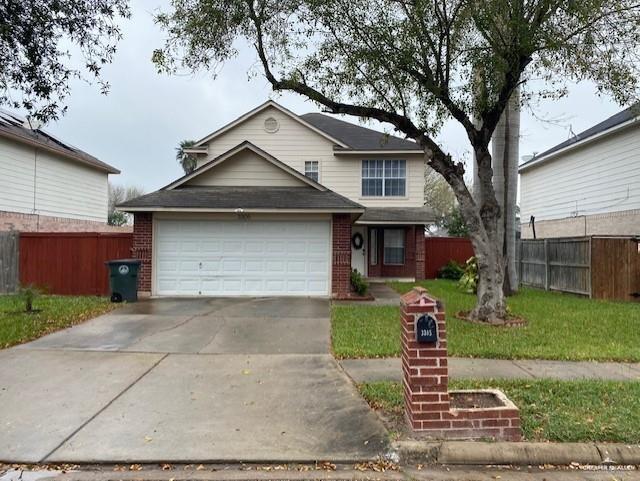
(246, 198)
(397, 215)
(616, 120)
(13, 127)
(357, 137)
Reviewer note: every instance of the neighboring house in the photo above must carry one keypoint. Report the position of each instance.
(587, 185)
(282, 204)
(46, 184)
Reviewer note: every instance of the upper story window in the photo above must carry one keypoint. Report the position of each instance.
(311, 169)
(384, 178)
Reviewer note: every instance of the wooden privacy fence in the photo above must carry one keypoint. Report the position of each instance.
(71, 263)
(440, 250)
(8, 262)
(599, 267)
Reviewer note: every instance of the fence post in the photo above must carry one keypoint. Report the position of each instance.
(9, 261)
(546, 264)
(519, 262)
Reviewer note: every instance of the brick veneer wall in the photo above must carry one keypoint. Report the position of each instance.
(426, 381)
(341, 255)
(420, 259)
(142, 249)
(43, 223)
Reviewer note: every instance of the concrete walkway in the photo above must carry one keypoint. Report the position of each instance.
(383, 295)
(369, 370)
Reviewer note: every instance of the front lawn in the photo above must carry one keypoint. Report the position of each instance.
(562, 411)
(560, 326)
(55, 313)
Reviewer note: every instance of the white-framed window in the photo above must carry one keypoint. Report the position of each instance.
(373, 247)
(394, 247)
(384, 178)
(311, 169)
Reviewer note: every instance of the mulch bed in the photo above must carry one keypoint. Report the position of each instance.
(511, 321)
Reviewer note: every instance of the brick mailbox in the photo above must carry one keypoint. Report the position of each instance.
(431, 409)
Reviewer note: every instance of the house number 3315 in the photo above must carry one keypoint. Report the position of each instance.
(426, 329)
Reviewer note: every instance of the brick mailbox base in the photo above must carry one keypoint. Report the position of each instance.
(433, 410)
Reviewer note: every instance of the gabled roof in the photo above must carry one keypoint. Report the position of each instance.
(620, 120)
(260, 108)
(13, 127)
(357, 137)
(246, 145)
(243, 199)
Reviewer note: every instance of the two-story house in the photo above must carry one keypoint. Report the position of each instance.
(586, 185)
(48, 185)
(285, 204)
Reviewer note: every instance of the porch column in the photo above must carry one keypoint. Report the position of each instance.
(142, 245)
(341, 256)
(420, 253)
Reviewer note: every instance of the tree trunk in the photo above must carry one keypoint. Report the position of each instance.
(481, 213)
(505, 151)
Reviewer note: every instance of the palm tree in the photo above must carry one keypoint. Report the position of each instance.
(187, 161)
(505, 145)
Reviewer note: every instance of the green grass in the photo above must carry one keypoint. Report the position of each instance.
(56, 312)
(563, 411)
(560, 326)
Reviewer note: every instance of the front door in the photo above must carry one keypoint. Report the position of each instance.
(359, 249)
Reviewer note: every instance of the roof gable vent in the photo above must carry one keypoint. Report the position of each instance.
(271, 125)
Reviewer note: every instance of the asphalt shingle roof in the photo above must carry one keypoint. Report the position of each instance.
(357, 137)
(410, 215)
(614, 120)
(13, 126)
(243, 198)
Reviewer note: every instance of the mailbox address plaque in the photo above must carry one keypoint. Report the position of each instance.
(426, 329)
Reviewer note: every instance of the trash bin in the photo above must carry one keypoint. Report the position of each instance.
(123, 279)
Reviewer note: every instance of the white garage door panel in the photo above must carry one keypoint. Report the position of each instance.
(231, 258)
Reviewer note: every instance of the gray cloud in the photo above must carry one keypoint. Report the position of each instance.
(137, 126)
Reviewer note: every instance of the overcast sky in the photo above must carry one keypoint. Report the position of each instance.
(137, 126)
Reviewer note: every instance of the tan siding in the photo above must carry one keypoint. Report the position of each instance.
(16, 177)
(68, 189)
(603, 176)
(294, 143)
(246, 168)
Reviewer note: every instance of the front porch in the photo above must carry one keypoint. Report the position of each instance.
(388, 243)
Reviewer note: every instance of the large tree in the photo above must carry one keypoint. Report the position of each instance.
(44, 44)
(414, 64)
(117, 195)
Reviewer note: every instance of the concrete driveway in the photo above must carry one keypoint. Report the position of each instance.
(189, 380)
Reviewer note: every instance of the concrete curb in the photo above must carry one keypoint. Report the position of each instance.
(517, 454)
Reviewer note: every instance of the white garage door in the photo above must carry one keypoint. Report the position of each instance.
(231, 258)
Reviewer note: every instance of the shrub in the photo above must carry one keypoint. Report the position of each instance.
(29, 293)
(452, 270)
(358, 283)
(469, 280)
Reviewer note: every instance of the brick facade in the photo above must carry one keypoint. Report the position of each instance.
(622, 223)
(341, 256)
(420, 253)
(413, 266)
(426, 381)
(142, 249)
(43, 223)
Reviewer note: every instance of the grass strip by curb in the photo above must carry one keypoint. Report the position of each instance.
(562, 411)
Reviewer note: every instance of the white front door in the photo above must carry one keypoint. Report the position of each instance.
(359, 254)
(242, 257)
